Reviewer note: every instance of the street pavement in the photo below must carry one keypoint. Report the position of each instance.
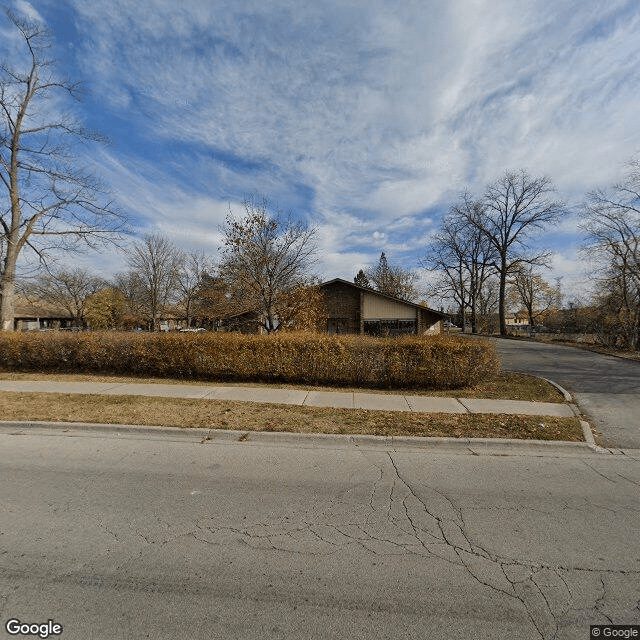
(606, 388)
(339, 399)
(168, 535)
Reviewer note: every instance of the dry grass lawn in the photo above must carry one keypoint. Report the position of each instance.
(259, 417)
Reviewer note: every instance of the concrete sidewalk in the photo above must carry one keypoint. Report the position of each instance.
(334, 399)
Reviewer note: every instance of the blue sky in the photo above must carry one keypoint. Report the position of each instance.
(367, 118)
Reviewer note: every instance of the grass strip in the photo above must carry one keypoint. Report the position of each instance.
(187, 413)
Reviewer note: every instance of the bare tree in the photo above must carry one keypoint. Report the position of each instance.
(194, 267)
(464, 257)
(487, 305)
(52, 203)
(512, 208)
(265, 257)
(66, 288)
(129, 284)
(393, 280)
(154, 264)
(446, 258)
(613, 238)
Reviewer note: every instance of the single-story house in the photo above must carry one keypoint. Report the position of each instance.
(354, 309)
(39, 316)
(250, 321)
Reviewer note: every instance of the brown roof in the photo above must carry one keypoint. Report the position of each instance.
(26, 309)
(384, 295)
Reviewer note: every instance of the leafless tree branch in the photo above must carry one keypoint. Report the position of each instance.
(49, 196)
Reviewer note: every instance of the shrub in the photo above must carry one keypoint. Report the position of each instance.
(436, 362)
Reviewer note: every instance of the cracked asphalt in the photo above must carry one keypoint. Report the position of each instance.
(144, 535)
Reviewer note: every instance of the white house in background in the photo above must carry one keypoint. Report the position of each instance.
(518, 320)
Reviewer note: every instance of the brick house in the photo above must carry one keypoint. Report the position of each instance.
(354, 309)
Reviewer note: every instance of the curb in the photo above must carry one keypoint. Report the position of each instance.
(586, 427)
(473, 446)
(588, 436)
(567, 396)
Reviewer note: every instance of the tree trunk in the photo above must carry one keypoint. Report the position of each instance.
(270, 323)
(501, 295)
(7, 289)
(462, 298)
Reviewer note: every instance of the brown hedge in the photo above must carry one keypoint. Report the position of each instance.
(436, 362)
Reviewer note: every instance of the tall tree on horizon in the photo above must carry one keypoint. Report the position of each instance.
(52, 203)
(196, 268)
(361, 279)
(393, 280)
(463, 257)
(154, 264)
(512, 208)
(612, 225)
(266, 257)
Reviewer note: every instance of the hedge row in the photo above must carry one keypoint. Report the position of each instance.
(436, 362)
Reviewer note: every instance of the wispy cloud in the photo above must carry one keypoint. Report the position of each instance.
(27, 10)
(368, 118)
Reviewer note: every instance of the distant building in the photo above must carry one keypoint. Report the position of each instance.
(39, 316)
(518, 321)
(250, 321)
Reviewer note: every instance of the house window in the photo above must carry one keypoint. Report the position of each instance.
(389, 327)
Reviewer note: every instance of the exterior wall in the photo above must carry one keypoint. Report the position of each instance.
(378, 308)
(352, 310)
(27, 324)
(342, 303)
(389, 327)
(249, 322)
(519, 318)
(35, 324)
(437, 327)
(34, 317)
(429, 322)
(517, 321)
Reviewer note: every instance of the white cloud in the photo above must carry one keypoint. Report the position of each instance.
(28, 11)
(154, 202)
(375, 112)
(361, 101)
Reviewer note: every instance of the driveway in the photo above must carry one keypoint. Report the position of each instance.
(606, 388)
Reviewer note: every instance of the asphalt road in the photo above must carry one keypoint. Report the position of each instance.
(606, 388)
(167, 537)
